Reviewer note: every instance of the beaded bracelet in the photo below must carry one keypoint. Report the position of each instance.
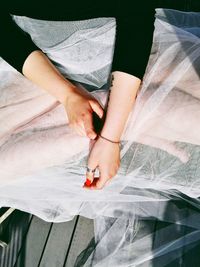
(115, 142)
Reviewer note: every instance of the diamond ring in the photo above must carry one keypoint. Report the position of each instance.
(90, 170)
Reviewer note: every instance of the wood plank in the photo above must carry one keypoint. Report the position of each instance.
(58, 243)
(14, 233)
(34, 243)
(174, 231)
(5, 217)
(191, 252)
(83, 234)
(5, 214)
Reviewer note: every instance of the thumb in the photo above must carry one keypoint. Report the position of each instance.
(97, 108)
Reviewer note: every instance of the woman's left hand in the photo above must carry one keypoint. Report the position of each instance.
(105, 156)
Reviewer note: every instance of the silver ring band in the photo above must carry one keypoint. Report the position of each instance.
(90, 170)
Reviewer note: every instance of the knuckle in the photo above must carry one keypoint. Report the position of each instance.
(83, 115)
(78, 121)
(111, 174)
(87, 117)
(99, 186)
(88, 131)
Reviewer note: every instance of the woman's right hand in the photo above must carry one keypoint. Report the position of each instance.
(80, 105)
(78, 102)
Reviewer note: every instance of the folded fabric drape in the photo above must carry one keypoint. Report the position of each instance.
(42, 161)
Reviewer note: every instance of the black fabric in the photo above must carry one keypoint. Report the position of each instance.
(133, 38)
(135, 25)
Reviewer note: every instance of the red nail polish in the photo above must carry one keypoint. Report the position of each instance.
(88, 182)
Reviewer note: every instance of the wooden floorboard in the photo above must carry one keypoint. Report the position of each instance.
(34, 243)
(14, 235)
(83, 234)
(57, 245)
(54, 244)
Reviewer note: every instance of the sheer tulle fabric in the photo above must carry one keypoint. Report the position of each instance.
(42, 161)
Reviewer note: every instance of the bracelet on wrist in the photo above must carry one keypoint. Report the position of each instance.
(115, 142)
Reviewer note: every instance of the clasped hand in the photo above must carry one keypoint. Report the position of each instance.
(80, 105)
(103, 155)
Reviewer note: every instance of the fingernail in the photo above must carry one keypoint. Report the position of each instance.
(88, 182)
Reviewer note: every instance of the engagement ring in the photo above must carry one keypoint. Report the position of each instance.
(90, 170)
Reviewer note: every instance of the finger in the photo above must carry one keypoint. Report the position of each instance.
(88, 125)
(92, 165)
(91, 144)
(97, 108)
(79, 129)
(93, 184)
(100, 183)
(76, 130)
(89, 179)
(80, 132)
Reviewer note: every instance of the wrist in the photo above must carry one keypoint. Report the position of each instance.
(104, 142)
(107, 139)
(112, 134)
(66, 92)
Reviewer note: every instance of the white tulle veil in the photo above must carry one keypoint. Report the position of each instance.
(42, 161)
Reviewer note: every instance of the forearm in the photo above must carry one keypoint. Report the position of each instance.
(39, 69)
(122, 97)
